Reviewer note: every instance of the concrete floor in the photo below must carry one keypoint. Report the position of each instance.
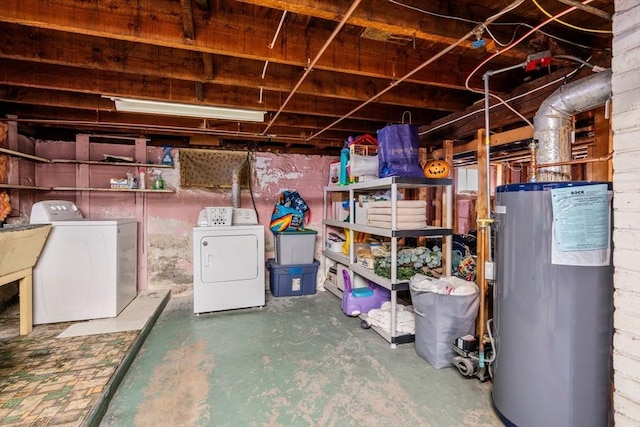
(298, 361)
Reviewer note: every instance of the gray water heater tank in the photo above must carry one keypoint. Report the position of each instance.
(553, 322)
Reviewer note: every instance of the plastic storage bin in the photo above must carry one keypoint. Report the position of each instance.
(295, 247)
(292, 280)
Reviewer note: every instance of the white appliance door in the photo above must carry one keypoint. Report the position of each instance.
(74, 278)
(229, 258)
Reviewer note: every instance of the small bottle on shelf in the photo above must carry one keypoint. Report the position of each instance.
(141, 178)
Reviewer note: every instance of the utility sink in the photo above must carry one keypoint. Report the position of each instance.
(20, 248)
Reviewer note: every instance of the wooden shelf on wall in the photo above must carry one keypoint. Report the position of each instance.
(24, 155)
(115, 190)
(98, 162)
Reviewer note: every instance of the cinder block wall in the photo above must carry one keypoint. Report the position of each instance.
(626, 205)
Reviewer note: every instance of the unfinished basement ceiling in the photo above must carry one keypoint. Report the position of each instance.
(323, 70)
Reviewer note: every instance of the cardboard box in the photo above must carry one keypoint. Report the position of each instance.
(292, 280)
(339, 197)
(360, 212)
(338, 212)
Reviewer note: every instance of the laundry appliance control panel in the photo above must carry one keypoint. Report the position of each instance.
(54, 210)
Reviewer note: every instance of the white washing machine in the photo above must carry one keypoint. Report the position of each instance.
(228, 260)
(87, 269)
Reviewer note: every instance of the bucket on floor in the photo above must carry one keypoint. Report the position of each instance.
(292, 280)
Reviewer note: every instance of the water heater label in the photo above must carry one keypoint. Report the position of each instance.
(581, 224)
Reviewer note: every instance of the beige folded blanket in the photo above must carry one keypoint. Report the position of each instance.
(399, 218)
(409, 225)
(399, 203)
(399, 211)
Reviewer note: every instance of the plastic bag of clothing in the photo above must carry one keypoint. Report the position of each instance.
(290, 213)
(445, 309)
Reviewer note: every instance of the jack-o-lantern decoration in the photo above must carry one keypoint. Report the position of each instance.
(436, 169)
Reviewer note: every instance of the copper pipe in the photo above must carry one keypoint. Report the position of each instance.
(532, 170)
(574, 162)
(275, 36)
(482, 248)
(312, 64)
(395, 83)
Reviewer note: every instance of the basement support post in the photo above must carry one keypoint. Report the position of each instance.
(483, 236)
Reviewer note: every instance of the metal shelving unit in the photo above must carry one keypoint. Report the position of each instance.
(393, 284)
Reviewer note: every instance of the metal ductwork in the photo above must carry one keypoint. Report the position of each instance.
(553, 126)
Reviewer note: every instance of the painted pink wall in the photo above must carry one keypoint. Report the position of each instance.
(166, 220)
(170, 217)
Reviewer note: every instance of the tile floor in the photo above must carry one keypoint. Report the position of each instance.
(60, 373)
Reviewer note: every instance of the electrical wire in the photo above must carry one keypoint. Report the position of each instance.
(515, 169)
(479, 110)
(437, 15)
(470, 21)
(595, 68)
(575, 27)
(493, 348)
(417, 69)
(516, 112)
(497, 41)
(512, 45)
(522, 24)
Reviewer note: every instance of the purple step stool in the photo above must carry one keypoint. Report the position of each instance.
(361, 300)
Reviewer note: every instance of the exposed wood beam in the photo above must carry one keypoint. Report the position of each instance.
(96, 103)
(187, 21)
(71, 50)
(199, 87)
(170, 126)
(137, 86)
(384, 16)
(202, 4)
(222, 33)
(207, 63)
(496, 140)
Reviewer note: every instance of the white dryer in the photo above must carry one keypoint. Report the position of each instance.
(87, 269)
(228, 261)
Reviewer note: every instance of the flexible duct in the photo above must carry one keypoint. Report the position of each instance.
(553, 127)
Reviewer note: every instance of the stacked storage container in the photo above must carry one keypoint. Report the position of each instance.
(293, 271)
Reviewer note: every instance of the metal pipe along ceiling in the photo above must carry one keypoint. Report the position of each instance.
(553, 127)
(312, 64)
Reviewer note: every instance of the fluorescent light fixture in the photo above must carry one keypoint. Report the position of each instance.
(131, 105)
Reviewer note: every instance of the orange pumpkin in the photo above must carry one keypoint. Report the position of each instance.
(436, 169)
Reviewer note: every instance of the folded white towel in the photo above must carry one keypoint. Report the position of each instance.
(405, 318)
